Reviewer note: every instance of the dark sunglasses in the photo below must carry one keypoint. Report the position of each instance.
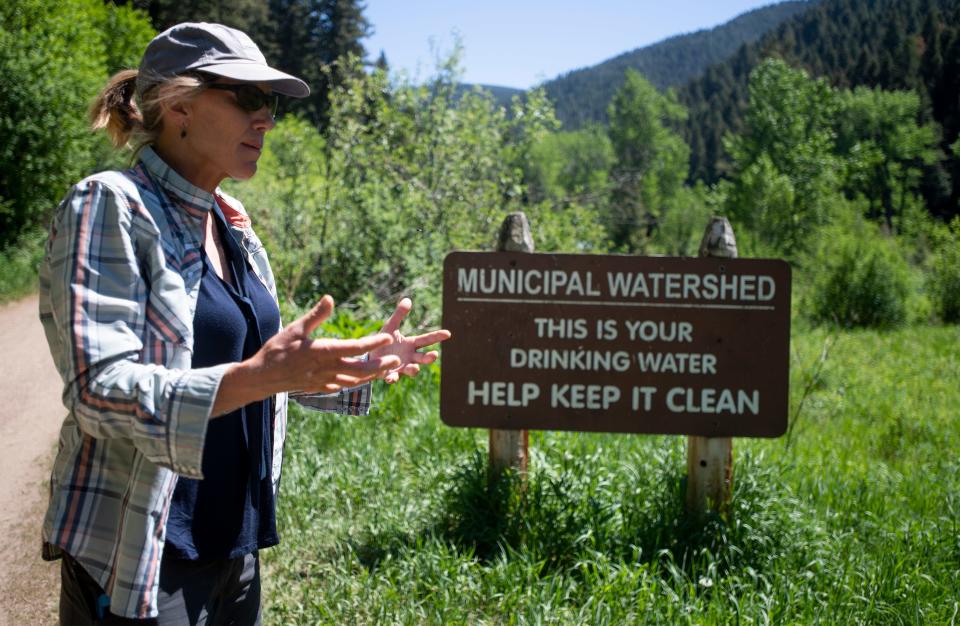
(249, 97)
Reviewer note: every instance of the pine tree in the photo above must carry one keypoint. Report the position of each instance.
(250, 16)
(313, 36)
(382, 63)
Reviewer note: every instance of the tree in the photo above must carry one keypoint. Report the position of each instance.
(570, 165)
(381, 62)
(250, 16)
(943, 280)
(402, 175)
(681, 229)
(306, 38)
(125, 33)
(53, 61)
(651, 159)
(313, 38)
(884, 147)
(784, 164)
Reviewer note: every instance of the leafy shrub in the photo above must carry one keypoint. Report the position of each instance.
(681, 227)
(943, 280)
(54, 56)
(18, 265)
(784, 180)
(863, 281)
(573, 164)
(572, 228)
(289, 203)
(403, 175)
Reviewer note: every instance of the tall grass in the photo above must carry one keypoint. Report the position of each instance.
(392, 519)
(18, 266)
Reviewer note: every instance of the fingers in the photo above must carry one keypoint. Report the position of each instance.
(375, 366)
(430, 338)
(369, 343)
(352, 347)
(393, 324)
(329, 365)
(411, 369)
(354, 372)
(426, 358)
(314, 317)
(423, 358)
(345, 380)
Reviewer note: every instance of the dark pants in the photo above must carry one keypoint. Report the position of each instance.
(191, 592)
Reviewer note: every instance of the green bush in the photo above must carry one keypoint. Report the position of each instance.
(684, 219)
(569, 165)
(403, 175)
(18, 265)
(861, 280)
(943, 280)
(54, 57)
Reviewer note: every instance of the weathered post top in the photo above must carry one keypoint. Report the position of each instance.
(718, 239)
(515, 235)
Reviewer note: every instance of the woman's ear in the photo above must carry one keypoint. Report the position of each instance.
(178, 114)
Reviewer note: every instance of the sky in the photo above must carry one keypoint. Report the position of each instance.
(521, 43)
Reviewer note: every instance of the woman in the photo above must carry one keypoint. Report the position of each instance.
(160, 312)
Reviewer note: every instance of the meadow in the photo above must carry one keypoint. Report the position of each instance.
(853, 517)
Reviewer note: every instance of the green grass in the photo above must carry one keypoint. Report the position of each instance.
(855, 519)
(18, 266)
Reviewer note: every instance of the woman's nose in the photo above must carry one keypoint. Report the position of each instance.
(264, 120)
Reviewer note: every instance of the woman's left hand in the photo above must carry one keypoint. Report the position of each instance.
(407, 348)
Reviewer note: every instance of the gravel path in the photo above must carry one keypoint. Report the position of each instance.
(30, 418)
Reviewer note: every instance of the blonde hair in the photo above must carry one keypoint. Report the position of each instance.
(116, 109)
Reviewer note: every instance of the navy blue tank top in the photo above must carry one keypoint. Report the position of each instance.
(231, 511)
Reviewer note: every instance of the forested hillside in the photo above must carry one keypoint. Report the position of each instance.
(885, 44)
(502, 95)
(582, 95)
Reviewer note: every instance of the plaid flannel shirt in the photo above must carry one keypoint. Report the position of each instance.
(118, 291)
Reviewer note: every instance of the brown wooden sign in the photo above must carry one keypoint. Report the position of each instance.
(692, 346)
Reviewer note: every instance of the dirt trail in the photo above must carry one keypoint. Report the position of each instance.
(30, 418)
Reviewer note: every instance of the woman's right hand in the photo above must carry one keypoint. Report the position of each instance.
(293, 361)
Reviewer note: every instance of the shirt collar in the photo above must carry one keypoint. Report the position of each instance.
(195, 201)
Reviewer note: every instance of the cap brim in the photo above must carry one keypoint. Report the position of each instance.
(255, 73)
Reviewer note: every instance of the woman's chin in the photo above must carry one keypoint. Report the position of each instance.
(245, 172)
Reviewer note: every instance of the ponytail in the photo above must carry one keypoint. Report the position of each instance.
(115, 109)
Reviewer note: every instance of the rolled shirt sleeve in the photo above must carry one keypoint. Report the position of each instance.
(351, 401)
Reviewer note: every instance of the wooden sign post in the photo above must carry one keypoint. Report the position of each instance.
(508, 448)
(710, 459)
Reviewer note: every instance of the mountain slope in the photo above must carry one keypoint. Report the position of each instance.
(890, 44)
(582, 95)
(503, 96)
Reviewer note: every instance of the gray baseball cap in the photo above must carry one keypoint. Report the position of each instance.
(212, 49)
